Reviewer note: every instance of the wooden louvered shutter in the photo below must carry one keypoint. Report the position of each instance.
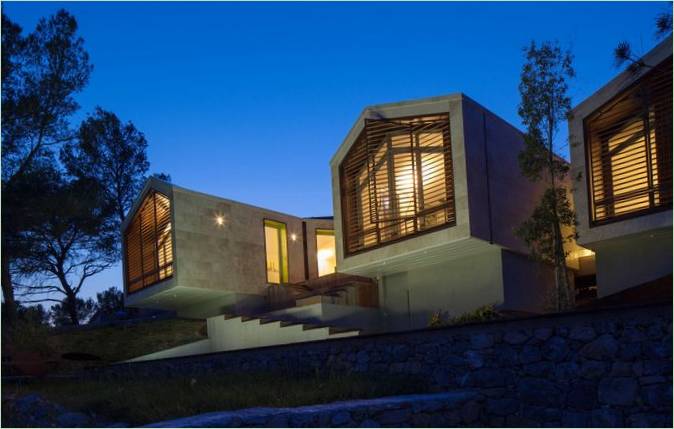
(630, 148)
(396, 180)
(149, 246)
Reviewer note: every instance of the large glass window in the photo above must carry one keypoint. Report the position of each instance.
(276, 251)
(149, 245)
(397, 181)
(630, 148)
(325, 251)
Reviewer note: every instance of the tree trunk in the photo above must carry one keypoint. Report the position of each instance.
(561, 278)
(8, 292)
(71, 305)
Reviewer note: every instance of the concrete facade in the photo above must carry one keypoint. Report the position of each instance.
(221, 268)
(464, 266)
(629, 251)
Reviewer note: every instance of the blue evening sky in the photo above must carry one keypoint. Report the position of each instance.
(249, 101)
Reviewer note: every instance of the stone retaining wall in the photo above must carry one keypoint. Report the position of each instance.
(601, 368)
(434, 410)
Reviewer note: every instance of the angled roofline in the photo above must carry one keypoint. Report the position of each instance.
(624, 79)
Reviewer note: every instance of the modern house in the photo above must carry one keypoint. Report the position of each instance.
(621, 153)
(427, 195)
(230, 263)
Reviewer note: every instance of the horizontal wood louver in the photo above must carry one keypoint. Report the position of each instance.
(149, 246)
(396, 181)
(629, 147)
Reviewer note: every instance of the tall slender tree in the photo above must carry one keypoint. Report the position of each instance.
(41, 73)
(545, 105)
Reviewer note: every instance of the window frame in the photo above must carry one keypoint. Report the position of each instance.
(449, 182)
(589, 173)
(324, 231)
(127, 281)
(285, 267)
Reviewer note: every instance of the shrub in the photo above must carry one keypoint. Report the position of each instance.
(480, 314)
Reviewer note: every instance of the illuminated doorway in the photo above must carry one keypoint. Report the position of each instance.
(325, 251)
(276, 251)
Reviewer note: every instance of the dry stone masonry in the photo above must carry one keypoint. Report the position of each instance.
(606, 368)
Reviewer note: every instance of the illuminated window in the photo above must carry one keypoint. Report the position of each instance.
(630, 148)
(325, 251)
(397, 181)
(149, 245)
(276, 249)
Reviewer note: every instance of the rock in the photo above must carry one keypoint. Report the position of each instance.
(555, 349)
(369, 423)
(629, 351)
(582, 333)
(502, 407)
(566, 371)
(470, 412)
(73, 420)
(481, 341)
(342, 418)
(490, 377)
(657, 367)
(651, 379)
(474, 359)
(582, 396)
(607, 417)
(658, 396)
(604, 347)
(592, 369)
(537, 369)
(393, 417)
(515, 337)
(618, 391)
(530, 354)
(572, 419)
(621, 369)
(538, 391)
(650, 420)
(505, 356)
(541, 414)
(542, 334)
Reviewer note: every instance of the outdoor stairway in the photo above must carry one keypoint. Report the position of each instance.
(234, 331)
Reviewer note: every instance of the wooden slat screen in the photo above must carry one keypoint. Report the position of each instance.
(397, 181)
(629, 146)
(149, 245)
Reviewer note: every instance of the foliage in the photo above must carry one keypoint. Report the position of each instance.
(545, 105)
(61, 314)
(110, 301)
(41, 73)
(61, 214)
(113, 155)
(480, 314)
(150, 400)
(539, 232)
(75, 241)
(623, 52)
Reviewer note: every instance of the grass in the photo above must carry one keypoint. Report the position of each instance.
(117, 343)
(143, 401)
(110, 343)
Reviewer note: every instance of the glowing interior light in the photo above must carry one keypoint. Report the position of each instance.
(220, 220)
(293, 237)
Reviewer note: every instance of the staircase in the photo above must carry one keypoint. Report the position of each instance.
(234, 332)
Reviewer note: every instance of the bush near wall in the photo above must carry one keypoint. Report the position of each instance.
(600, 368)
